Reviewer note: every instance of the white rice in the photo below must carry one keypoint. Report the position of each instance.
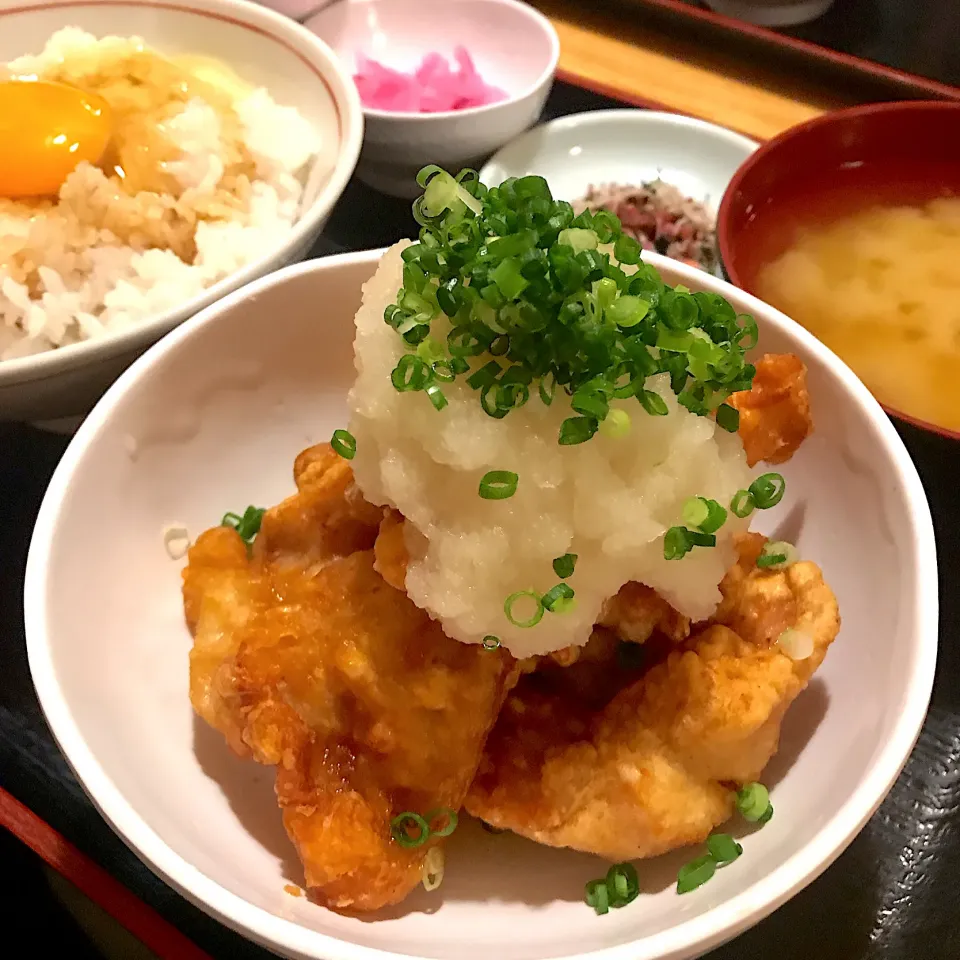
(81, 279)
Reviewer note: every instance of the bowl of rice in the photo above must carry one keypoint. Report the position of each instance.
(167, 153)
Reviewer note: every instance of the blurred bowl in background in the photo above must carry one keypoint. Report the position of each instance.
(902, 154)
(772, 13)
(513, 46)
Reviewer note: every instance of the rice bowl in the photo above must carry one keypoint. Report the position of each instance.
(294, 94)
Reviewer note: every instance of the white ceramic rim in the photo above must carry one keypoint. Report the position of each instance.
(627, 115)
(701, 933)
(51, 363)
(532, 14)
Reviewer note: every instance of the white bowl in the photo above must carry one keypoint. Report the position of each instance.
(513, 46)
(265, 49)
(210, 419)
(627, 147)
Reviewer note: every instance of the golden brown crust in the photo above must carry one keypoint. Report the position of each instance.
(307, 660)
(775, 412)
(649, 771)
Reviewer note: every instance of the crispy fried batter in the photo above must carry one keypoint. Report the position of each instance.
(391, 550)
(306, 659)
(650, 770)
(636, 611)
(775, 412)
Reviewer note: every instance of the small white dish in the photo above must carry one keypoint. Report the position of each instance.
(625, 147)
(210, 419)
(265, 49)
(513, 47)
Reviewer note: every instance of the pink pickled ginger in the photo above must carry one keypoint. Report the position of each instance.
(434, 87)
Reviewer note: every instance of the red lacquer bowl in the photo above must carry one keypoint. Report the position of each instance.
(906, 152)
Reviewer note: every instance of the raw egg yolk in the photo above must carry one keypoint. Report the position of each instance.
(46, 129)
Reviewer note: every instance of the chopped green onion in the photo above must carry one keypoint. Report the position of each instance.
(623, 885)
(247, 526)
(410, 373)
(697, 539)
(616, 424)
(401, 825)
(564, 566)
(519, 275)
(695, 511)
(653, 403)
(766, 816)
(449, 826)
(695, 873)
(706, 515)
(742, 504)
(490, 642)
(436, 396)
(597, 896)
(577, 430)
(558, 599)
(728, 418)
(344, 443)
(498, 485)
(752, 801)
(676, 544)
(535, 617)
(767, 490)
(723, 848)
(777, 555)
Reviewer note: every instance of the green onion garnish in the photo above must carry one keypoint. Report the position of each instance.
(616, 424)
(679, 541)
(676, 544)
(498, 485)
(596, 896)
(623, 885)
(558, 599)
(728, 418)
(564, 566)
(344, 443)
(535, 617)
(706, 515)
(742, 504)
(451, 821)
(247, 526)
(753, 800)
(620, 887)
(777, 555)
(767, 490)
(766, 816)
(400, 827)
(695, 873)
(519, 276)
(490, 642)
(723, 848)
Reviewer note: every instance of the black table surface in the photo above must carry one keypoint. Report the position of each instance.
(892, 894)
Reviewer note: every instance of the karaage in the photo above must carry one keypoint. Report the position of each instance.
(306, 659)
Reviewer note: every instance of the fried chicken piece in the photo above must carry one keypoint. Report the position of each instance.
(775, 412)
(307, 660)
(636, 611)
(651, 770)
(391, 550)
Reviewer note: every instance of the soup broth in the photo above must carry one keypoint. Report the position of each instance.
(881, 287)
